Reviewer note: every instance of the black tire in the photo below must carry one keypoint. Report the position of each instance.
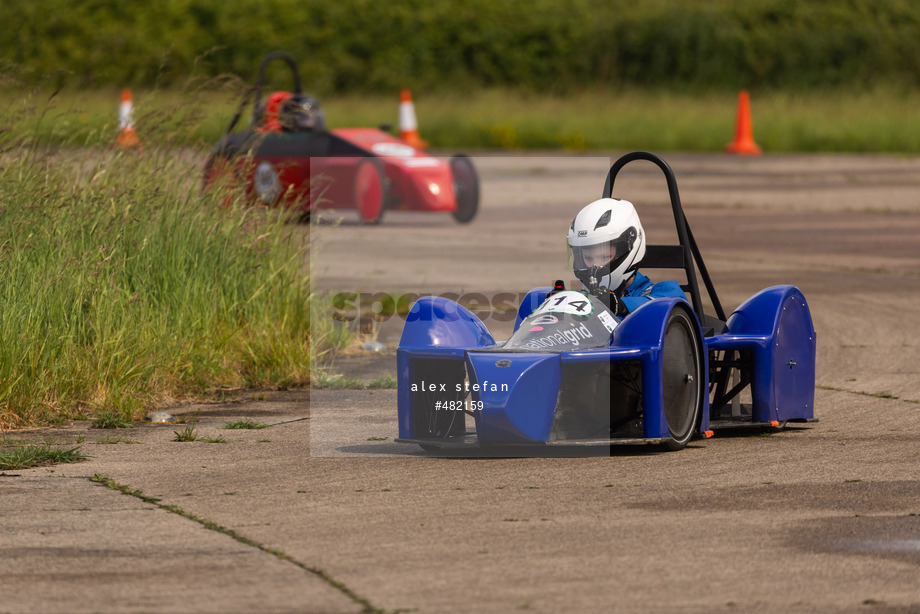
(222, 173)
(682, 378)
(208, 175)
(466, 188)
(370, 190)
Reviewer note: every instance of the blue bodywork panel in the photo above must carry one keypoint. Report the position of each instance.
(518, 400)
(775, 326)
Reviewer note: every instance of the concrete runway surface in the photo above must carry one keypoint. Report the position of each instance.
(815, 518)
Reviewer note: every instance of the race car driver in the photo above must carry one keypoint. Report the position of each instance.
(302, 113)
(607, 243)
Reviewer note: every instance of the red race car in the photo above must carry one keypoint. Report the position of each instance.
(287, 157)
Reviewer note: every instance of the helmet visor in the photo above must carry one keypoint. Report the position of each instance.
(301, 115)
(606, 256)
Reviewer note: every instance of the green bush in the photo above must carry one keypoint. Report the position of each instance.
(541, 45)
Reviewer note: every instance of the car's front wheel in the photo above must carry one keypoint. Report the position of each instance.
(222, 176)
(682, 377)
(370, 190)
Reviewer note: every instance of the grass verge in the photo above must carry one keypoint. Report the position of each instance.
(881, 119)
(124, 286)
(325, 380)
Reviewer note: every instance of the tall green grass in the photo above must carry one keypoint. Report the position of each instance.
(121, 285)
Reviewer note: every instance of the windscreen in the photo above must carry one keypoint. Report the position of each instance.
(565, 322)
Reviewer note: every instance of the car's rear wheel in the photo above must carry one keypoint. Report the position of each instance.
(222, 175)
(682, 382)
(370, 190)
(466, 188)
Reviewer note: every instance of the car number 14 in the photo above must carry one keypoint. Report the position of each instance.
(569, 301)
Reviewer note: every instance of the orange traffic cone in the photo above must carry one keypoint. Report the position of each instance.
(744, 133)
(408, 126)
(127, 137)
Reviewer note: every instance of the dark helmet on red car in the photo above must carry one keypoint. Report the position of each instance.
(301, 113)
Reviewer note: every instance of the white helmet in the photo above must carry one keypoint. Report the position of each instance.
(606, 244)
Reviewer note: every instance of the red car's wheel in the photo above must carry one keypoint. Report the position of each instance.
(466, 188)
(221, 175)
(370, 190)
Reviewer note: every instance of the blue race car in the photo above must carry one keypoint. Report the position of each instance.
(573, 374)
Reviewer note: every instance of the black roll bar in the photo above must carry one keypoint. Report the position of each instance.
(663, 255)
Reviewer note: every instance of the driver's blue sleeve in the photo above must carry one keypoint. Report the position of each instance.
(637, 295)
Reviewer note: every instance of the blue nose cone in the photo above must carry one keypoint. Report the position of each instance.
(518, 393)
